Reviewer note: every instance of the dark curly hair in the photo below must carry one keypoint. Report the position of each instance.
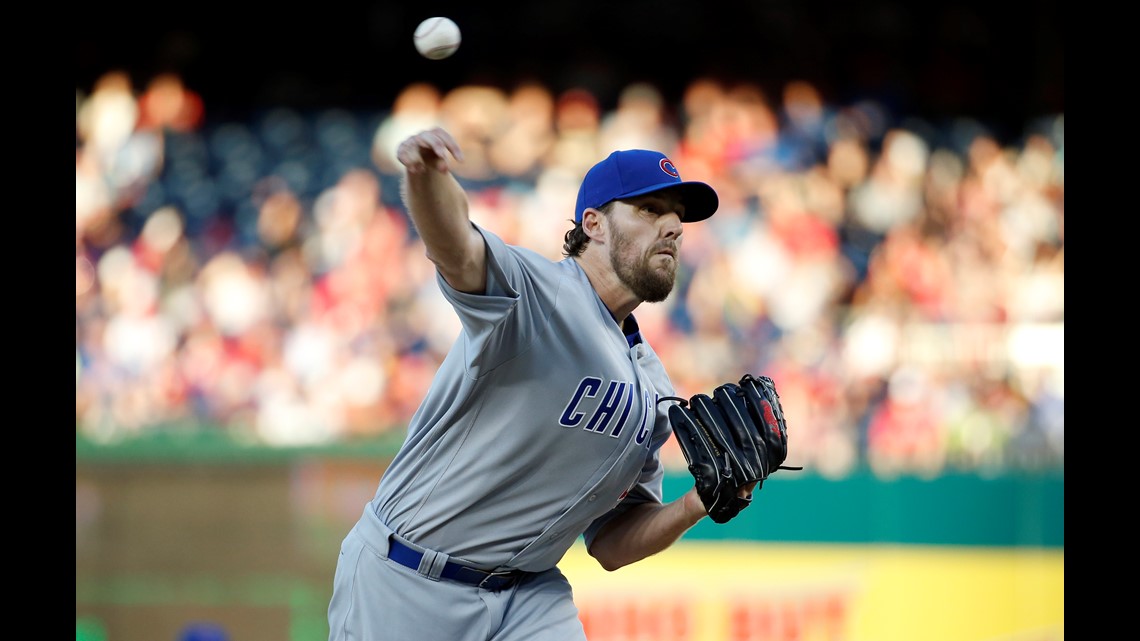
(576, 239)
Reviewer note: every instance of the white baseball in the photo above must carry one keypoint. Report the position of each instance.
(437, 38)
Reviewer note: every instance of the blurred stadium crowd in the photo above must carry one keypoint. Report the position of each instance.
(901, 280)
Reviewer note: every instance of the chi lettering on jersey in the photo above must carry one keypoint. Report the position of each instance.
(599, 407)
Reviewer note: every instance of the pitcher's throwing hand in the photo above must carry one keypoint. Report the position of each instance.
(428, 149)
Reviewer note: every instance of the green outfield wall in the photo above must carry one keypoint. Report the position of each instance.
(182, 528)
(1008, 509)
(951, 509)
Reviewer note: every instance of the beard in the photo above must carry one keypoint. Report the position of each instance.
(648, 284)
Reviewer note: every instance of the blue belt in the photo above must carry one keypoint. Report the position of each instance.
(493, 581)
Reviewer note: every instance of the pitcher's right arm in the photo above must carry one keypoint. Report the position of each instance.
(439, 209)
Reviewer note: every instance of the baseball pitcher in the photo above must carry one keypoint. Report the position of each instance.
(545, 420)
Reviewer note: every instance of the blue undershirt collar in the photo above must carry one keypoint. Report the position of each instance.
(632, 331)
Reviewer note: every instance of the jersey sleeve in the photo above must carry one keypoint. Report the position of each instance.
(478, 309)
(510, 314)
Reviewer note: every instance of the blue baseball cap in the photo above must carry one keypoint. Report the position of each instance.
(636, 172)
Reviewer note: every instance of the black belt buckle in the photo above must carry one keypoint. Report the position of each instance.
(508, 576)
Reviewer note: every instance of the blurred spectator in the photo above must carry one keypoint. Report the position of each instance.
(526, 133)
(577, 124)
(167, 103)
(107, 118)
(476, 115)
(416, 108)
(115, 158)
(260, 277)
(640, 121)
(803, 127)
(903, 434)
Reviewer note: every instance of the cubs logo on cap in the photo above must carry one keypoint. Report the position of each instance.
(636, 172)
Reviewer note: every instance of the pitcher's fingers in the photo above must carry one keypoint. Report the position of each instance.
(442, 143)
(428, 147)
(449, 143)
(411, 154)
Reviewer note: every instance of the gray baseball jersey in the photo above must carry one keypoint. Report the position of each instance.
(541, 420)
